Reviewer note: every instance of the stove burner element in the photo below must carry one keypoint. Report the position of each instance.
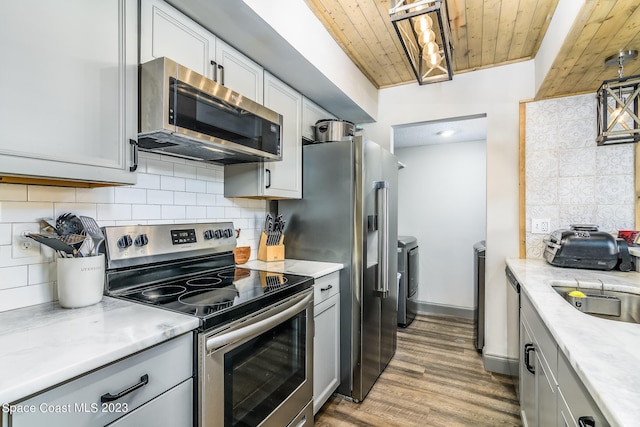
(204, 281)
(163, 293)
(210, 297)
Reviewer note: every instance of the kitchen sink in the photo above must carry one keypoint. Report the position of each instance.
(612, 305)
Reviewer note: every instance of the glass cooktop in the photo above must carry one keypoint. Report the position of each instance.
(219, 296)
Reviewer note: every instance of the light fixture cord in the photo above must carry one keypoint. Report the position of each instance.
(620, 66)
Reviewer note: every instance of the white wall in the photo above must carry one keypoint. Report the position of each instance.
(496, 92)
(442, 202)
(309, 37)
(169, 191)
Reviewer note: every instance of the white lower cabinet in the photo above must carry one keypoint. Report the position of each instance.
(576, 407)
(151, 388)
(551, 394)
(326, 342)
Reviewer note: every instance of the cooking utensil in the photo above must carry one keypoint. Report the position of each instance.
(93, 230)
(53, 242)
(68, 223)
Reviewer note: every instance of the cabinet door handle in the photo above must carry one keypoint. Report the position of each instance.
(214, 66)
(268, 171)
(586, 422)
(108, 397)
(134, 166)
(326, 289)
(528, 348)
(221, 74)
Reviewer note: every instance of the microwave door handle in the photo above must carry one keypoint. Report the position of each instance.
(382, 188)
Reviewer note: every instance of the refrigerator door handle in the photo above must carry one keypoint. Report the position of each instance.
(382, 188)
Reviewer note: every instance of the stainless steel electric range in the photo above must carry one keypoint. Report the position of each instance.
(254, 345)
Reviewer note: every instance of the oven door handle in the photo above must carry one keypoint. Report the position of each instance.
(257, 328)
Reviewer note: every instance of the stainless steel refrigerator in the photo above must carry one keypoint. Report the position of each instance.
(348, 214)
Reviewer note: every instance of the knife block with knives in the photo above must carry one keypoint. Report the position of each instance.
(271, 246)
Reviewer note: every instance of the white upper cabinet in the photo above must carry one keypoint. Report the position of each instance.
(165, 31)
(273, 180)
(69, 92)
(311, 113)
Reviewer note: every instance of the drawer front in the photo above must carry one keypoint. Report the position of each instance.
(325, 287)
(78, 402)
(173, 408)
(577, 399)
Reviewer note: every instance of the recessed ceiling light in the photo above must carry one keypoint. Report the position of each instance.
(446, 133)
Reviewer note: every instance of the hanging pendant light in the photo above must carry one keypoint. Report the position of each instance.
(618, 121)
(425, 35)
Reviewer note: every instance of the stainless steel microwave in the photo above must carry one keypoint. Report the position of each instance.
(185, 114)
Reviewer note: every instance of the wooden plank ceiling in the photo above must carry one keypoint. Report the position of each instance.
(489, 33)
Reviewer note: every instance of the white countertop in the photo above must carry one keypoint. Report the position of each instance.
(43, 345)
(313, 269)
(604, 353)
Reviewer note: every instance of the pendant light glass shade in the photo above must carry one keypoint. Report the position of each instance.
(618, 121)
(423, 29)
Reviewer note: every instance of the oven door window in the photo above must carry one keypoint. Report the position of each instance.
(260, 374)
(198, 111)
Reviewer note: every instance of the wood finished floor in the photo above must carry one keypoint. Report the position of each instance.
(436, 378)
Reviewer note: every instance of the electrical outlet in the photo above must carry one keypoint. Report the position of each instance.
(21, 245)
(540, 226)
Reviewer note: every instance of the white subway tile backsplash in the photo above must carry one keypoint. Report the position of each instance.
(170, 183)
(195, 212)
(130, 195)
(195, 186)
(95, 195)
(26, 295)
(215, 212)
(86, 209)
(146, 212)
(206, 199)
(183, 198)
(168, 191)
(5, 234)
(173, 212)
(25, 211)
(42, 273)
(159, 197)
(205, 174)
(13, 192)
(159, 167)
(113, 212)
(185, 171)
(13, 277)
(148, 181)
(40, 193)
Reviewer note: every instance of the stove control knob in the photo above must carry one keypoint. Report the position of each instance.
(208, 235)
(124, 242)
(218, 234)
(141, 240)
(228, 233)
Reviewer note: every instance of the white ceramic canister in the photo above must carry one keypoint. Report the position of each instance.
(80, 281)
